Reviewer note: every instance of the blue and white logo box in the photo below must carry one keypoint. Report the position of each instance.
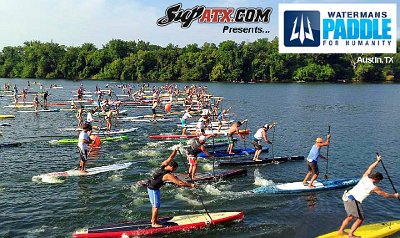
(337, 28)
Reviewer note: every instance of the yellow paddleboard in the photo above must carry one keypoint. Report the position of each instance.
(377, 230)
(6, 116)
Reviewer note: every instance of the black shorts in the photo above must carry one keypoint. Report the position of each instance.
(256, 144)
(153, 110)
(83, 155)
(312, 167)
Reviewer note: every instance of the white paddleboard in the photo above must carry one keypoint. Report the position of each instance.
(121, 131)
(298, 186)
(91, 171)
(19, 106)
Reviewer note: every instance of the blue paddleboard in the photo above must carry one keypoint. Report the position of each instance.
(237, 152)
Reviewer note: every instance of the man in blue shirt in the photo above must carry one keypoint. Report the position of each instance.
(312, 160)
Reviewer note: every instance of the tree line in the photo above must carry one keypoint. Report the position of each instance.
(226, 62)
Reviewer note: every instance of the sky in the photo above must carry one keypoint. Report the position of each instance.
(74, 22)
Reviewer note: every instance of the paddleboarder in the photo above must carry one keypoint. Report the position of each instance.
(158, 179)
(312, 160)
(15, 95)
(73, 105)
(89, 116)
(232, 130)
(108, 117)
(352, 199)
(153, 108)
(24, 94)
(221, 118)
(79, 117)
(83, 142)
(36, 103)
(184, 118)
(202, 123)
(45, 95)
(196, 145)
(260, 134)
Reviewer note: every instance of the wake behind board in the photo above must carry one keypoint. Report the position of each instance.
(276, 160)
(91, 171)
(237, 152)
(207, 176)
(298, 187)
(377, 230)
(170, 224)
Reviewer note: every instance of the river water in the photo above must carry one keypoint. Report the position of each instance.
(364, 119)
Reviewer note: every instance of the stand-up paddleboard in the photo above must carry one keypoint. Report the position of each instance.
(222, 132)
(150, 120)
(171, 137)
(6, 116)
(85, 95)
(72, 141)
(15, 144)
(208, 143)
(276, 160)
(207, 176)
(140, 106)
(298, 187)
(94, 128)
(19, 106)
(43, 110)
(170, 224)
(163, 115)
(81, 101)
(137, 103)
(377, 230)
(114, 132)
(57, 104)
(130, 118)
(237, 152)
(91, 171)
(122, 112)
(214, 124)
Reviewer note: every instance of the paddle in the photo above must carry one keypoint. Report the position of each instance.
(327, 154)
(273, 140)
(390, 180)
(198, 195)
(244, 140)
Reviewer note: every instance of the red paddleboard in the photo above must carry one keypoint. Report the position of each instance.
(170, 224)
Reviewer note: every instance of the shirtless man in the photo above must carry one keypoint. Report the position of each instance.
(234, 129)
